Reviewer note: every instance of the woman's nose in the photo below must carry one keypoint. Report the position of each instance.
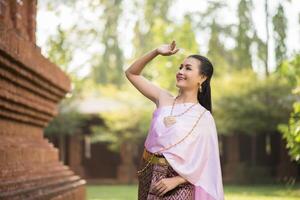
(179, 73)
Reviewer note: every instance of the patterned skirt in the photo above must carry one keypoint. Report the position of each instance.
(154, 173)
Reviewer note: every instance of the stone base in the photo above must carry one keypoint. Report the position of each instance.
(29, 166)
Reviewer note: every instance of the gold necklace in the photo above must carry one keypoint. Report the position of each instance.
(149, 161)
(171, 119)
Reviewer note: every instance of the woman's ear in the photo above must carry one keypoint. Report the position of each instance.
(203, 78)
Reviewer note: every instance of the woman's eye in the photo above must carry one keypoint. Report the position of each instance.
(188, 68)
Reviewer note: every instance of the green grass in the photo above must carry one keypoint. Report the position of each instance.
(111, 192)
(232, 192)
(262, 192)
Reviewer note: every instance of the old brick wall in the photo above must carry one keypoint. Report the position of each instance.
(30, 89)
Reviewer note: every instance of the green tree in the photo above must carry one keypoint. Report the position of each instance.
(217, 53)
(153, 12)
(291, 130)
(280, 27)
(242, 96)
(221, 58)
(244, 36)
(108, 67)
(122, 127)
(242, 107)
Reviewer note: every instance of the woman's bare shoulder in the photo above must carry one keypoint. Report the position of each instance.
(165, 98)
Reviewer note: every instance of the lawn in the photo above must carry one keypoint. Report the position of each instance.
(232, 192)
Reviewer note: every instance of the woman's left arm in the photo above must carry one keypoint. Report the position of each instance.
(180, 179)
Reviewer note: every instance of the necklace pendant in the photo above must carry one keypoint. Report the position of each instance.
(169, 121)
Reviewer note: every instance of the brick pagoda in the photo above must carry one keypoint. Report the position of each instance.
(30, 89)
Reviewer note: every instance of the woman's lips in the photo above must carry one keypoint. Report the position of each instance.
(180, 78)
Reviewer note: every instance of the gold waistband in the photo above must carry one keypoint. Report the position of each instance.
(156, 159)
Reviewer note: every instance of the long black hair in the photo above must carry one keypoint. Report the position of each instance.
(205, 68)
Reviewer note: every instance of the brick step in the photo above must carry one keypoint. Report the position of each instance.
(31, 169)
(78, 193)
(21, 156)
(43, 187)
(17, 142)
(29, 181)
(74, 191)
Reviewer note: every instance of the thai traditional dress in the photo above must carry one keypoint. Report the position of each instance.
(196, 158)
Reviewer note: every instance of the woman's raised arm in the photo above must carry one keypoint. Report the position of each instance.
(133, 73)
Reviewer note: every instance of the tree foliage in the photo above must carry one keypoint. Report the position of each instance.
(280, 27)
(244, 36)
(128, 125)
(241, 104)
(291, 129)
(109, 66)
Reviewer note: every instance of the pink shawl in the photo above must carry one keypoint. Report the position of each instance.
(197, 157)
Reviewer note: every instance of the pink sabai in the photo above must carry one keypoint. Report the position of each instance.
(196, 158)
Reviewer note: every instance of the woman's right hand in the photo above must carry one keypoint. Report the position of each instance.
(167, 49)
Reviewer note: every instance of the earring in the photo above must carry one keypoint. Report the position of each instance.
(200, 88)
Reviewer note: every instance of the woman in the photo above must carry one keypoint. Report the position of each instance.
(181, 155)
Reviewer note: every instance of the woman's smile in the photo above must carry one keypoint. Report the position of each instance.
(180, 78)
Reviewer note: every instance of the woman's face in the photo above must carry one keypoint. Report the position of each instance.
(187, 75)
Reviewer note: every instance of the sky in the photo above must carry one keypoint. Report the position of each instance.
(177, 11)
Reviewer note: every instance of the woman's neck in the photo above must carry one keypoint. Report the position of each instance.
(187, 96)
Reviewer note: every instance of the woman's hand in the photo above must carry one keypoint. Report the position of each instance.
(166, 184)
(167, 49)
